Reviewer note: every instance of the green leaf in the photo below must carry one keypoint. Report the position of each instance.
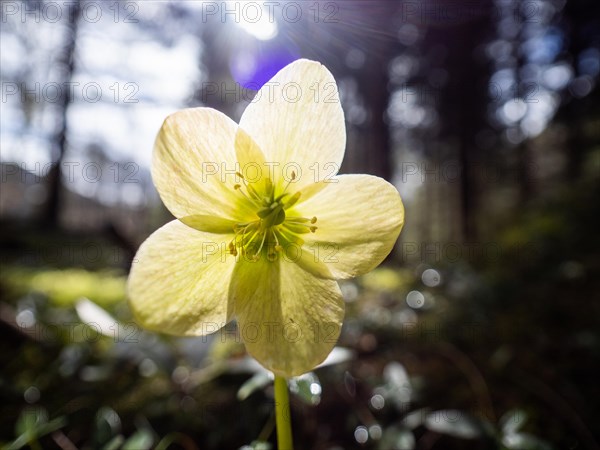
(97, 318)
(257, 445)
(51, 426)
(29, 419)
(397, 438)
(454, 423)
(307, 387)
(114, 443)
(108, 424)
(18, 443)
(140, 440)
(33, 424)
(415, 418)
(258, 381)
(397, 387)
(513, 421)
(524, 441)
(337, 356)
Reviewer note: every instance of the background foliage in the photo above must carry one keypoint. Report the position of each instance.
(479, 332)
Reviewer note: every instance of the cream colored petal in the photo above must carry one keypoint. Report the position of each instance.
(194, 164)
(252, 161)
(209, 224)
(296, 119)
(179, 281)
(359, 219)
(288, 319)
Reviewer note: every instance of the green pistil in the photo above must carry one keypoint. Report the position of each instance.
(272, 225)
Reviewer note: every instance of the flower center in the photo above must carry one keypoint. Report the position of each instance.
(274, 229)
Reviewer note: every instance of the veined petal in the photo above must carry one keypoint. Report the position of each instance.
(359, 220)
(194, 164)
(248, 153)
(296, 119)
(308, 261)
(289, 320)
(210, 224)
(179, 281)
(251, 160)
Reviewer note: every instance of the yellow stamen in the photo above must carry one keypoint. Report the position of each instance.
(273, 229)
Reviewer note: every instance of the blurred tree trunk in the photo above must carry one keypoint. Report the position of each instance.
(578, 17)
(65, 60)
(215, 60)
(368, 146)
(524, 156)
(464, 104)
(373, 82)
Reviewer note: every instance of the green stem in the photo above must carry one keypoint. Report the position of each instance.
(282, 415)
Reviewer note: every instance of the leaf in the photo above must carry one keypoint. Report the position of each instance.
(96, 317)
(18, 443)
(258, 381)
(29, 419)
(337, 356)
(141, 440)
(107, 425)
(114, 443)
(33, 424)
(454, 423)
(53, 425)
(512, 421)
(416, 418)
(397, 438)
(173, 437)
(397, 385)
(405, 441)
(257, 445)
(395, 375)
(307, 387)
(524, 441)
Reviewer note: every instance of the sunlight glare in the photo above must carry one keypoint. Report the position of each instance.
(255, 19)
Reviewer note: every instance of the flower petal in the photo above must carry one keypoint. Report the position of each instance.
(194, 164)
(251, 159)
(297, 120)
(179, 281)
(289, 320)
(210, 224)
(359, 219)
